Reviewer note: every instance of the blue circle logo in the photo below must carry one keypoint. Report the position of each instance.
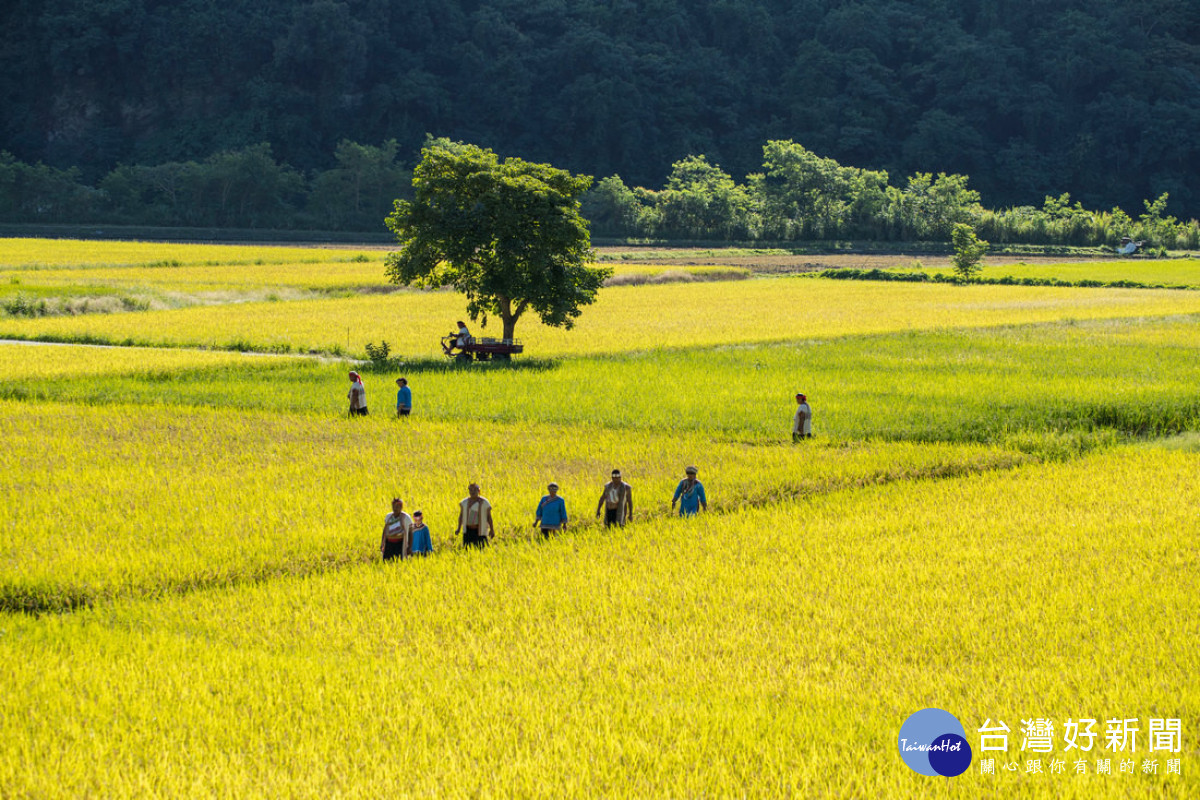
(934, 742)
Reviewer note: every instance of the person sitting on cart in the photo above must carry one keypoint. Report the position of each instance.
(458, 338)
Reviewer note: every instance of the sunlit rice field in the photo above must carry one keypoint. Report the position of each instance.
(990, 385)
(624, 319)
(1151, 272)
(154, 499)
(57, 253)
(997, 516)
(772, 654)
(223, 277)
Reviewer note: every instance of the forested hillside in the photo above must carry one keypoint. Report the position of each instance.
(1100, 98)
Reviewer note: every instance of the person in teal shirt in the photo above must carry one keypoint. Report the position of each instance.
(551, 512)
(403, 398)
(689, 494)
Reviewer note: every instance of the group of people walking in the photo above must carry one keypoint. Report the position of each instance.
(405, 535)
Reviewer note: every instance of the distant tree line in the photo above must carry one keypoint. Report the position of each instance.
(798, 196)
(802, 196)
(244, 188)
(1025, 96)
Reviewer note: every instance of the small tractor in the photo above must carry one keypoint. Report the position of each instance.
(480, 348)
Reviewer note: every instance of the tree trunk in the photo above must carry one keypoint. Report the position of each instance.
(508, 317)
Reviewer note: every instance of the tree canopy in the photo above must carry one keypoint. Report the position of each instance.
(507, 234)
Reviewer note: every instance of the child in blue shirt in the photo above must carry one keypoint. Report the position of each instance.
(422, 542)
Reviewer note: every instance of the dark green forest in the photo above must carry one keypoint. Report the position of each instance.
(1029, 98)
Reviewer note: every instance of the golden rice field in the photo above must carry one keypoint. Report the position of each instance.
(624, 319)
(773, 651)
(226, 277)
(59, 253)
(1167, 272)
(305, 479)
(998, 517)
(21, 362)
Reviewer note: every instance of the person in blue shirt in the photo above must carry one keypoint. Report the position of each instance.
(403, 398)
(689, 494)
(551, 512)
(422, 541)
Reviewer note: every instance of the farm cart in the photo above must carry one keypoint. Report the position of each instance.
(481, 348)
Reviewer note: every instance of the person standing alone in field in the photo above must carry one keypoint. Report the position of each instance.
(802, 422)
(616, 502)
(475, 518)
(357, 396)
(689, 494)
(397, 527)
(551, 512)
(403, 398)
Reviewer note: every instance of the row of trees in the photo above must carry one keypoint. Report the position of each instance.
(802, 196)
(246, 188)
(798, 196)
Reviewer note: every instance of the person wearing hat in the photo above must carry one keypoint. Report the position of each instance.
(616, 502)
(357, 395)
(802, 422)
(551, 512)
(403, 398)
(396, 529)
(421, 539)
(689, 494)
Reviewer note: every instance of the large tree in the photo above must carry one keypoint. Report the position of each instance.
(507, 234)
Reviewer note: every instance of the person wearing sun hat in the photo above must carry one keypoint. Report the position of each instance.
(802, 422)
(689, 494)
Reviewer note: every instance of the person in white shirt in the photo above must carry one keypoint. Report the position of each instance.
(802, 422)
(397, 529)
(616, 502)
(475, 519)
(357, 395)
